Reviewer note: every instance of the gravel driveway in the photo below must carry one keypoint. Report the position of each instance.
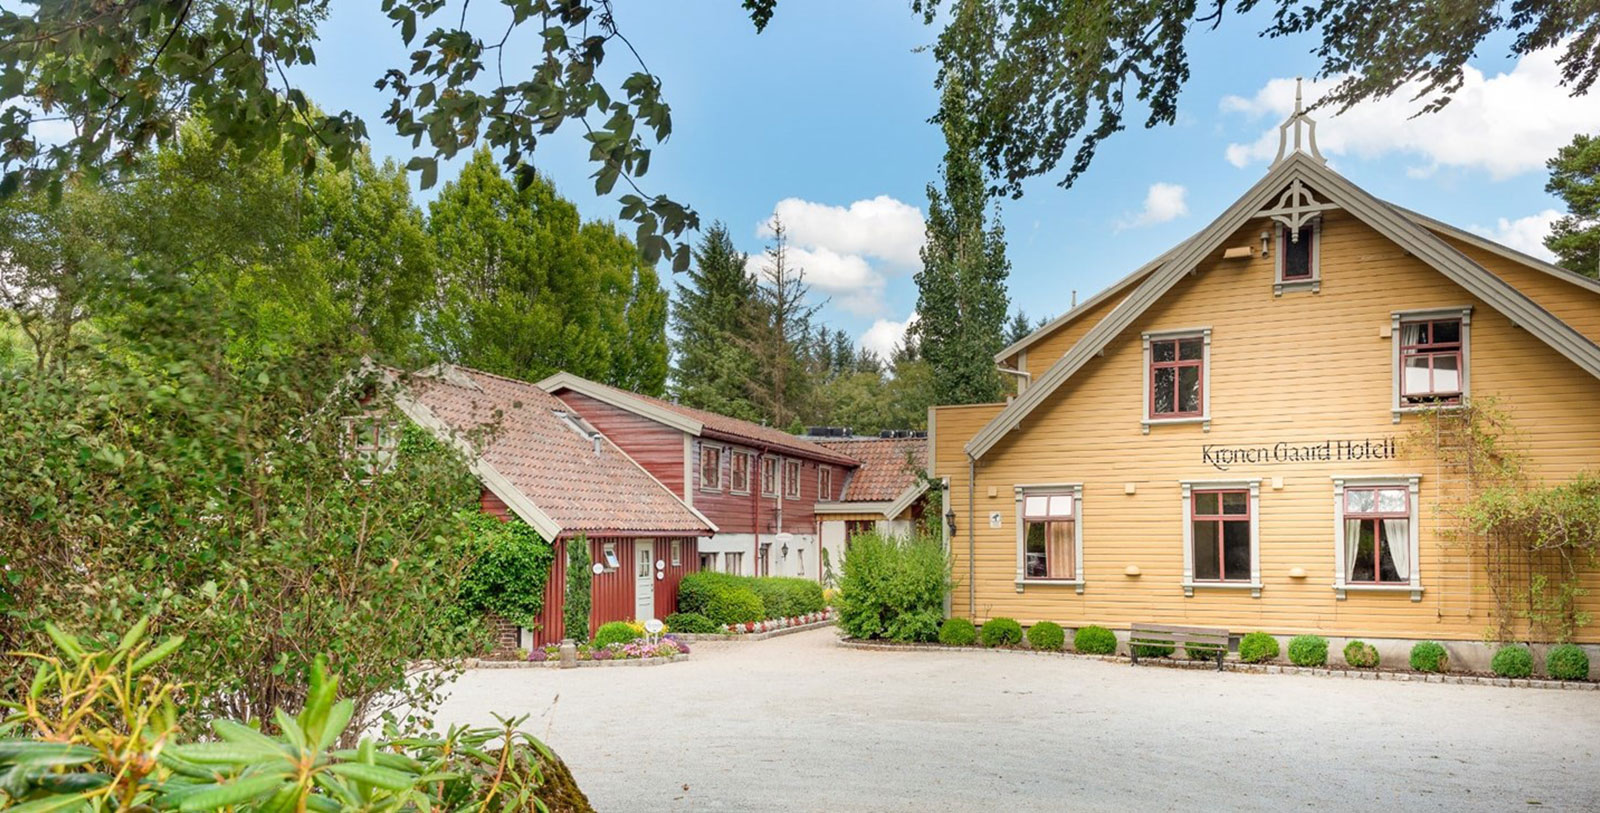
(799, 723)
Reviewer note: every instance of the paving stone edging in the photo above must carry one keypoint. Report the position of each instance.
(555, 663)
(1250, 668)
(707, 637)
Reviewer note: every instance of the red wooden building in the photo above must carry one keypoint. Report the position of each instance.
(541, 461)
(758, 485)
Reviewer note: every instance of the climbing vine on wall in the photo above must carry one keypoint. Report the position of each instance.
(1536, 539)
(510, 565)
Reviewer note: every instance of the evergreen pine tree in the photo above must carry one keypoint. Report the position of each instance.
(961, 289)
(777, 332)
(1575, 178)
(1019, 328)
(712, 361)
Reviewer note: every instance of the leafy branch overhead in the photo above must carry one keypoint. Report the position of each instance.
(1058, 76)
(124, 75)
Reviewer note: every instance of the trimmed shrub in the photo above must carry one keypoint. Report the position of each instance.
(1202, 652)
(733, 605)
(1361, 655)
(1048, 636)
(1308, 650)
(1512, 661)
(1429, 656)
(958, 632)
(894, 588)
(1258, 647)
(690, 623)
(697, 589)
(784, 597)
(1567, 662)
(1152, 650)
(1092, 640)
(614, 632)
(1000, 632)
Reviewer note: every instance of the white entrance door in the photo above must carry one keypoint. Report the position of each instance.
(644, 576)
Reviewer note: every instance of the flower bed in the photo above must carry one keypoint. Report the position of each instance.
(776, 624)
(640, 650)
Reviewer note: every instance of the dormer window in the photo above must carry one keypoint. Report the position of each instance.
(1299, 258)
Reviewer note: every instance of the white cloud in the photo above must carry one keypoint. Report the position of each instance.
(886, 334)
(1162, 202)
(849, 252)
(1525, 234)
(1505, 124)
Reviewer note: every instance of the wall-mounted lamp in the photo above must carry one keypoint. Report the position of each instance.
(950, 520)
(1266, 244)
(784, 551)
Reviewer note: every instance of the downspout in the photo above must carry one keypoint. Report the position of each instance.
(972, 542)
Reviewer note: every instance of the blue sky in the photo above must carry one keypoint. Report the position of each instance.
(826, 113)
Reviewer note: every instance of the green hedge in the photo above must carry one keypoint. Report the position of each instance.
(689, 623)
(722, 597)
(1567, 662)
(614, 632)
(1308, 650)
(894, 587)
(1258, 647)
(1361, 655)
(1047, 636)
(1512, 661)
(958, 632)
(1429, 656)
(1000, 632)
(1152, 650)
(1093, 640)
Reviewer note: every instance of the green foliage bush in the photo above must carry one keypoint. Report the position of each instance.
(1512, 661)
(575, 605)
(690, 624)
(135, 756)
(1429, 656)
(1202, 652)
(1048, 636)
(776, 596)
(510, 565)
(1258, 647)
(1152, 650)
(1308, 650)
(1093, 640)
(614, 632)
(1000, 632)
(958, 632)
(894, 588)
(733, 605)
(1361, 655)
(1567, 662)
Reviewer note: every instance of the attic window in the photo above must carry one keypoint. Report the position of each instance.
(370, 443)
(1299, 258)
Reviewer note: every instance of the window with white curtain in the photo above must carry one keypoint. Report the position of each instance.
(1049, 534)
(1432, 358)
(1376, 534)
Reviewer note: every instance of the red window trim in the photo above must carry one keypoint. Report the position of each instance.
(1310, 237)
(1433, 350)
(787, 480)
(1219, 518)
(824, 491)
(1376, 516)
(733, 482)
(775, 472)
(722, 452)
(1174, 365)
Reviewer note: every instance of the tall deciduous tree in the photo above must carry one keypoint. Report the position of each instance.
(961, 289)
(709, 318)
(527, 289)
(776, 334)
(1575, 178)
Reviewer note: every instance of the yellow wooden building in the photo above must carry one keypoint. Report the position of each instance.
(1222, 437)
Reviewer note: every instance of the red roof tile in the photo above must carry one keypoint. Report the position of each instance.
(889, 466)
(549, 460)
(730, 428)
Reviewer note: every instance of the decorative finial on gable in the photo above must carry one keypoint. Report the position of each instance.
(1296, 121)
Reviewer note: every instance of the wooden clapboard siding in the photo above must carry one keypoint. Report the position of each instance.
(656, 447)
(1041, 354)
(666, 591)
(1300, 367)
(1570, 301)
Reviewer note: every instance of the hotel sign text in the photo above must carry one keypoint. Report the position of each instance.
(1327, 451)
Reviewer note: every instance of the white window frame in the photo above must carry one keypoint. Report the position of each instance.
(799, 468)
(1021, 492)
(700, 469)
(1253, 485)
(376, 459)
(1314, 284)
(1413, 484)
(677, 553)
(749, 471)
(777, 475)
(1396, 319)
(1204, 418)
(608, 555)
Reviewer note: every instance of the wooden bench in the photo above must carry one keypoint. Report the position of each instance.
(1203, 639)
